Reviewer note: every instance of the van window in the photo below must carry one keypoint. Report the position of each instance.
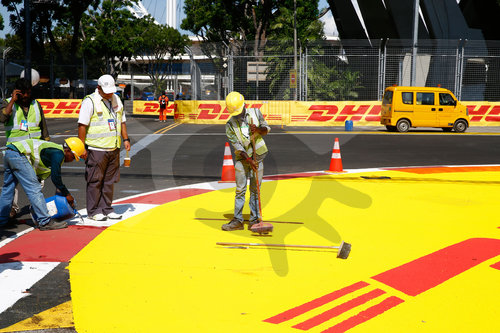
(425, 98)
(446, 99)
(407, 97)
(387, 98)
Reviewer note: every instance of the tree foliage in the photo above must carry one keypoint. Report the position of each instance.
(112, 33)
(161, 44)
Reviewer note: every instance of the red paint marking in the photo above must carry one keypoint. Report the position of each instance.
(51, 246)
(366, 315)
(496, 266)
(164, 196)
(338, 310)
(431, 270)
(445, 169)
(297, 311)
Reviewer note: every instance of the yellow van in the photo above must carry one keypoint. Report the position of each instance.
(405, 107)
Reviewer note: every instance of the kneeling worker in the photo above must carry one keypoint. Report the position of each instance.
(28, 160)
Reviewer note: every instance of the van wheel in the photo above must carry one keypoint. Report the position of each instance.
(390, 128)
(460, 126)
(447, 129)
(403, 125)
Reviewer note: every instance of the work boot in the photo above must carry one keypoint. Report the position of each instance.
(53, 225)
(252, 223)
(233, 225)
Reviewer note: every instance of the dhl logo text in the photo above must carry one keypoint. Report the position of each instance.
(327, 113)
(60, 107)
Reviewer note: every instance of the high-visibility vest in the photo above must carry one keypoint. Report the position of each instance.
(99, 132)
(13, 130)
(32, 148)
(260, 144)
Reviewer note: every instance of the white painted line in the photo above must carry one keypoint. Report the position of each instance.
(17, 277)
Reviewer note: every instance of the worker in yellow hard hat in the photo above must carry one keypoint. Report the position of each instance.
(244, 124)
(29, 161)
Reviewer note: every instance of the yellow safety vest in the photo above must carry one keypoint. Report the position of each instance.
(32, 148)
(19, 128)
(104, 130)
(260, 144)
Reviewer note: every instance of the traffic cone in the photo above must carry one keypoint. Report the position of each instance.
(227, 166)
(336, 160)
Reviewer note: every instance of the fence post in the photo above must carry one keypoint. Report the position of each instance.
(381, 68)
(459, 68)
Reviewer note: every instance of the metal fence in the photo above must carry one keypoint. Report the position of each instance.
(329, 70)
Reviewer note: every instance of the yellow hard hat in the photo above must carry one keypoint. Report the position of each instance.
(235, 103)
(76, 146)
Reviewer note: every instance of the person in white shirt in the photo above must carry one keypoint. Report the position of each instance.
(101, 126)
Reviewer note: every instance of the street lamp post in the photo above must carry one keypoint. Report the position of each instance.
(295, 44)
(413, 76)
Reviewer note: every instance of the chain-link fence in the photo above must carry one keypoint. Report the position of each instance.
(329, 70)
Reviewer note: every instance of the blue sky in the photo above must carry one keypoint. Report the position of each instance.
(157, 9)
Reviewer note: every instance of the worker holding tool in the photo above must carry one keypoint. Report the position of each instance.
(29, 161)
(243, 124)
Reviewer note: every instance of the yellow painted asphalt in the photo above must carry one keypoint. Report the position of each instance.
(161, 271)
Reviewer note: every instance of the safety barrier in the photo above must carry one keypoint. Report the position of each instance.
(287, 113)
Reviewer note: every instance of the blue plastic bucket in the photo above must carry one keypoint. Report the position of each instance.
(348, 125)
(59, 208)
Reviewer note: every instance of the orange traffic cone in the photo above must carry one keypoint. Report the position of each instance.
(336, 160)
(227, 166)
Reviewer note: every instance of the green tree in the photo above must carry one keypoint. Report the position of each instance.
(112, 33)
(1, 23)
(309, 32)
(161, 44)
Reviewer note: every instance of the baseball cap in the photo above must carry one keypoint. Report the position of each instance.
(107, 83)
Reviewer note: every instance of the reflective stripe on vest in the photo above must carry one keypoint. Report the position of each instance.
(13, 130)
(260, 144)
(99, 133)
(32, 148)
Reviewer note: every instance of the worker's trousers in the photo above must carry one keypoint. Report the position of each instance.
(243, 172)
(19, 170)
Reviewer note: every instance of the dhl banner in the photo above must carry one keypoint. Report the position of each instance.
(293, 113)
(288, 113)
(61, 108)
(152, 108)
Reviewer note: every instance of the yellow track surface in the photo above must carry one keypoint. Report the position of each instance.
(161, 271)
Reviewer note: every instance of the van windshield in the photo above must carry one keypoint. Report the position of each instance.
(387, 98)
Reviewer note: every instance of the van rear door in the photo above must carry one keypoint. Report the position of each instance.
(425, 110)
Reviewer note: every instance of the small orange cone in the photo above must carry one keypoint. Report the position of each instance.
(227, 166)
(336, 160)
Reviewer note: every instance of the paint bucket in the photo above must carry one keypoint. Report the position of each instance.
(58, 207)
(348, 125)
(126, 161)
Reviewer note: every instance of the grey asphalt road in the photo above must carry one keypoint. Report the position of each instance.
(165, 155)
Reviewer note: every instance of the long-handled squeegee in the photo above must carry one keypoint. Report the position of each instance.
(260, 227)
(343, 249)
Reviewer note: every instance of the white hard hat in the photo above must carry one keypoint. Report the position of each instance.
(35, 76)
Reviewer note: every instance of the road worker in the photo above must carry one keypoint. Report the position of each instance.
(24, 119)
(243, 124)
(101, 125)
(28, 161)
